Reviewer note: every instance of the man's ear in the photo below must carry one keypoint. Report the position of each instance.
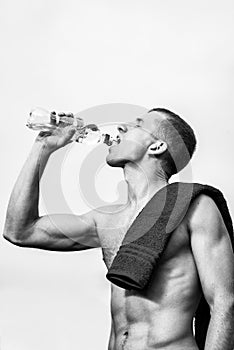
(157, 147)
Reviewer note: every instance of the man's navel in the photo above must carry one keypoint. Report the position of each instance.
(125, 338)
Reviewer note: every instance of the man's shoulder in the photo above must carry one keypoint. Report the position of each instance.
(203, 212)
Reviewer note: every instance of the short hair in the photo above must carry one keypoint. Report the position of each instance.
(180, 138)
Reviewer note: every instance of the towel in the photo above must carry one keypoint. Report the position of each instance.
(148, 236)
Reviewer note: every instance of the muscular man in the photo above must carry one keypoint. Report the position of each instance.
(198, 258)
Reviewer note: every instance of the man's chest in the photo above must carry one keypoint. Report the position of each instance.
(113, 228)
(111, 239)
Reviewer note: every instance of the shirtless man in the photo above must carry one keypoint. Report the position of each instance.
(198, 258)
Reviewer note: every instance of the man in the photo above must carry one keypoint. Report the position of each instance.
(198, 258)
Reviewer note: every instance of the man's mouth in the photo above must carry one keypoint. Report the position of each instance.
(118, 139)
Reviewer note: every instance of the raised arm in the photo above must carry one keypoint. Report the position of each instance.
(23, 225)
(213, 254)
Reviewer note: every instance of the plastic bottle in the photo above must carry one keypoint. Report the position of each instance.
(43, 120)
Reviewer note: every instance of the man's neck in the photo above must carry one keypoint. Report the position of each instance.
(142, 185)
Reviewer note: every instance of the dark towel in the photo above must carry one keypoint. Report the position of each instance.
(147, 238)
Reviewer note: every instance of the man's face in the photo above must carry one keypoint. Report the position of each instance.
(135, 138)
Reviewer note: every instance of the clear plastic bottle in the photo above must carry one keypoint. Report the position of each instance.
(43, 120)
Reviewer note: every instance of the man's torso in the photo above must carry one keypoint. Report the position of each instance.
(161, 316)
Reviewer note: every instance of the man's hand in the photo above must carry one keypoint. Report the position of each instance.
(56, 138)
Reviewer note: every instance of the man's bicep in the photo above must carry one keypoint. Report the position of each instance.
(212, 251)
(63, 232)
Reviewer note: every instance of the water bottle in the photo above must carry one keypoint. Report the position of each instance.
(43, 120)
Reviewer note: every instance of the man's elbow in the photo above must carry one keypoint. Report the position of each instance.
(13, 237)
(10, 237)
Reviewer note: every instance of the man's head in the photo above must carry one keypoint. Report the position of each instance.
(159, 135)
(180, 139)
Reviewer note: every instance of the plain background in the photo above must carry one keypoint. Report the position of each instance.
(73, 55)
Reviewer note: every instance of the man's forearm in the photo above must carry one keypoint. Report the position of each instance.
(220, 335)
(23, 205)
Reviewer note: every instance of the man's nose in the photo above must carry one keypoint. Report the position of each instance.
(122, 128)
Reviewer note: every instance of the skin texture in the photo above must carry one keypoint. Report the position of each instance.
(198, 257)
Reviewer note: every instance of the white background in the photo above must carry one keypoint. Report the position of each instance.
(73, 55)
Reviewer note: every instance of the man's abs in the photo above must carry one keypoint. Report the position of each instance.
(165, 329)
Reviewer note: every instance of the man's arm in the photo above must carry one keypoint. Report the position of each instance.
(23, 225)
(213, 254)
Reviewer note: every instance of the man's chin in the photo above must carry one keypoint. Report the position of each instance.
(116, 162)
